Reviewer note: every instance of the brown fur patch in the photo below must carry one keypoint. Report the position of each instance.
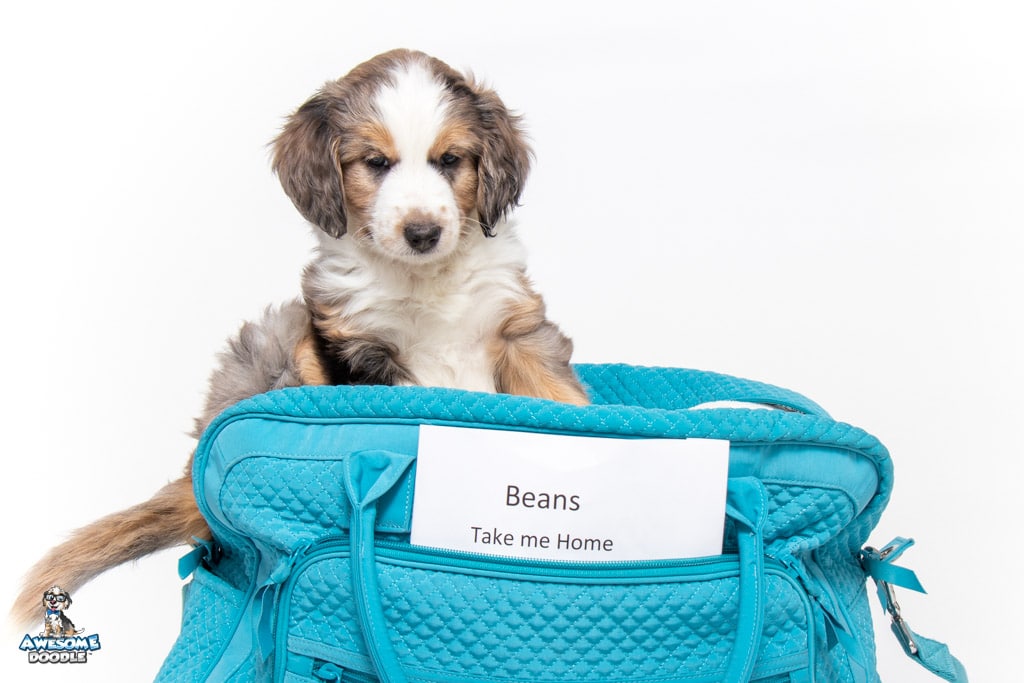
(307, 361)
(360, 190)
(531, 355)
(328, 315)
(457, 137)
(367, 139)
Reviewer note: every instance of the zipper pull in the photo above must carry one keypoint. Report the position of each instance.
(829, 618)
(265, 602)
(328, 672)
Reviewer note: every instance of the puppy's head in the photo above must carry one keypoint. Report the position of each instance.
(404, 154)
(57, 599)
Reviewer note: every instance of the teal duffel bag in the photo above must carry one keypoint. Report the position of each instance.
(309, 493)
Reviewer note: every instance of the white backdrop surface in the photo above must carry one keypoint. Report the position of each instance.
(822, 196)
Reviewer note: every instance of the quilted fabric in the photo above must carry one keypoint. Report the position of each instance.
(680, 388)
(273, 611)
(290, 512)
(311, 504)
(209, 608)
(451, 406)
(323, 608)
(801, 518)
(499, 630)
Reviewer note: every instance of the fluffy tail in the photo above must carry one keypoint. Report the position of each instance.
(168, 519)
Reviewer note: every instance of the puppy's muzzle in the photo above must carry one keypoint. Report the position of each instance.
(422, 237)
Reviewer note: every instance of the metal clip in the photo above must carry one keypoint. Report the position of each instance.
(900, 627)
(888, 596)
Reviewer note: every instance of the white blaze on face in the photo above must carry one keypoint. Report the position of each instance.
(413, 109)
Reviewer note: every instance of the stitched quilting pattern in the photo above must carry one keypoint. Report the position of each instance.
(286, 512)
(208, 614)
(310, 503)
(675, 388)
(449, 405)
(802, 517)
(323, 608)
(548, 631)
(497, 629)
(848, 581)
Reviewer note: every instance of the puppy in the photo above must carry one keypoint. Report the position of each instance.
(408, 170)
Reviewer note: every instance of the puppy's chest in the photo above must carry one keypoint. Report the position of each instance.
(443, 337)
(442, 324)
(451, 346)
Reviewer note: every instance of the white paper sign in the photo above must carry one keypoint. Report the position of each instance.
(555, 497)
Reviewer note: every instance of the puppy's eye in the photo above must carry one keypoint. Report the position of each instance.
(448, 159)
(378, 162)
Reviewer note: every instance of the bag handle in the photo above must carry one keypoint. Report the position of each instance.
(370, 474)
(682, 388)
(747, 505)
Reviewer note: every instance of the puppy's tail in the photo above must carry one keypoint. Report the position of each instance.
(168, 519)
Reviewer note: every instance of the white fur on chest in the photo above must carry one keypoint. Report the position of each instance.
(447, 345)
(442, 321)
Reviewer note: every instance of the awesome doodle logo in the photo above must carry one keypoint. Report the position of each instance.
(60, 642)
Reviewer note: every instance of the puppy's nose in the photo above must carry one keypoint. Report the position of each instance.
(422, 236)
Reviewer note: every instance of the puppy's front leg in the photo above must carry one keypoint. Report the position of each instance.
(532, 355)
(345, 358)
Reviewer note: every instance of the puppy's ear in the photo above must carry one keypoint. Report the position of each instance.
(305, 163)
(504, 160)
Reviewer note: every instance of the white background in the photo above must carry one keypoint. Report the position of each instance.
(826, 196)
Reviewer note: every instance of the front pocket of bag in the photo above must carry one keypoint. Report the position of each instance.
(462, 618)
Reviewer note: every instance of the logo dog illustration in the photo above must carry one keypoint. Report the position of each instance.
(57, 624)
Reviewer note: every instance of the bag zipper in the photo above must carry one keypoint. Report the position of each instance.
(305, 666)
(400, 552)
(511, 566)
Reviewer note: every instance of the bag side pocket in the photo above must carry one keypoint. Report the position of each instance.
(210, 607)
